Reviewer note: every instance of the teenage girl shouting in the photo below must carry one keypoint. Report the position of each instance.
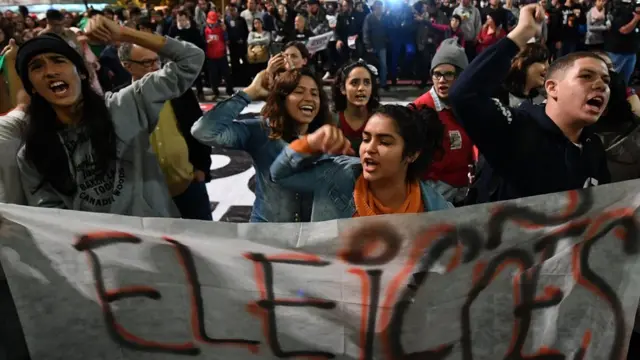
(355, 97)
(398, 145)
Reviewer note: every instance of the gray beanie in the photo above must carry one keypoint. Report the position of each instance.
(450, 52)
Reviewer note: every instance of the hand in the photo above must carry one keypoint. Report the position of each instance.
(257, 90)
(199, 175)
(102, 30)
(529, 24)
(276, 63)
(339, 44)
(329, 139)
(10, 51)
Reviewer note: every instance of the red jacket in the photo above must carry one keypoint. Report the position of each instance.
(215, 38)
(459, 153)
(486, 40)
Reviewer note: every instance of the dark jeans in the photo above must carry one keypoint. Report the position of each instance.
(194, 203)
(218, 70)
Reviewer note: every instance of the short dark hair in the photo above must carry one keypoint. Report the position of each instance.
(567, 61)
(54, 15)
(108, 11)
(135, 11)
(183, 13)
(300, 46)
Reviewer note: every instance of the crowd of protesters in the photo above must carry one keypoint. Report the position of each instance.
(239, 39)
(144, 147)
(522, 103)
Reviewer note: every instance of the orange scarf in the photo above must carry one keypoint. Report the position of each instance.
(368, 205)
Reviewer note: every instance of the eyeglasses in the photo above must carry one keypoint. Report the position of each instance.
(147, 63)
(448, 76)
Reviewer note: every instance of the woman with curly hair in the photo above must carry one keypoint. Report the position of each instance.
(526, 77)
(295, 105)
(399, 145)
(355, 97)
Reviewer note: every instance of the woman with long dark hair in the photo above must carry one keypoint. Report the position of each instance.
(399, 145)
(526, 76)
(295, 105)
(85, 152)
(355, 97)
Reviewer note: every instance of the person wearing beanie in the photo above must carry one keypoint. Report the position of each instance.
(534, 149)
(448, 174)
(91, 153)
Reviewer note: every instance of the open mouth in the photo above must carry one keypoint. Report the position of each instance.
(307, 109)
(361, 97)
(595, 103)
(58, 87)
(369, 164)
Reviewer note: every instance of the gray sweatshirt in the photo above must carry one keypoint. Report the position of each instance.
(134, 185)
(11, 126)
(471, 21)
(596, 28)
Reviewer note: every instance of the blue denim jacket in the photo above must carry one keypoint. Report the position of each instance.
(332, 179)
(218, 127)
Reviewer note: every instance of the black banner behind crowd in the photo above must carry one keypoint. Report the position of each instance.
(550, 277)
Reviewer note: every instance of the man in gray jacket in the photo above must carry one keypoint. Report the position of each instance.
(83, 152)
(471, 26)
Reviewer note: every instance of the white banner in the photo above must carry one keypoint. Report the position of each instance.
(319, 42)
(548, 276)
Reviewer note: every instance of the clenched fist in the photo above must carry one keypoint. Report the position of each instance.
(103, 30)
(329, 139)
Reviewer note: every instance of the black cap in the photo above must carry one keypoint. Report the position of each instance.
(46, 43)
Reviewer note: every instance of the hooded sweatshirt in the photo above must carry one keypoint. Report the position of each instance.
(523, 146)
(134, 185)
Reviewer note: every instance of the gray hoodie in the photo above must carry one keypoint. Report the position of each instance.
(134, 185)
(11, 126)
(471, 21)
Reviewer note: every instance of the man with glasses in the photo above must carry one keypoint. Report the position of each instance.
(449, 174)
(184, 161)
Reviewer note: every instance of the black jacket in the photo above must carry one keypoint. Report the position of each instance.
(523, 146)
(192, 34)
(187, 110)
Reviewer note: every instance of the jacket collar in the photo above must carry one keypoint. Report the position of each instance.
(439, 104)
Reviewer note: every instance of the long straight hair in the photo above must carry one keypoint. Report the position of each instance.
(45, 150)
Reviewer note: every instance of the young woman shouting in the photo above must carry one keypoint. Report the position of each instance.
(355, 97)
(295, 105)
(86, 152)
(398, 145)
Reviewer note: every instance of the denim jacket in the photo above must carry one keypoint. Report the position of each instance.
(332, 179)
(218, 127)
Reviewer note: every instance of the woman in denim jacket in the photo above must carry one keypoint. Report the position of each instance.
(295, 105)
(398, 145)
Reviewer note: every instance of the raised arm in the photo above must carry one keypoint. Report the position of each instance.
(302, 166)
(219, 127)
(485, 119)
(153, 90)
